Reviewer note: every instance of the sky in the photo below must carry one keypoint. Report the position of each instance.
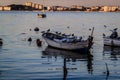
(64, 2)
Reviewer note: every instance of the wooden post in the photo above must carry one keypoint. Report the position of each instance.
(90, 39)
(92, 31)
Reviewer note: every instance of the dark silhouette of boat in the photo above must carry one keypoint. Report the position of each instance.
(42, 15)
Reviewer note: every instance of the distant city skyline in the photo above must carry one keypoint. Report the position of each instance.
(64, 2)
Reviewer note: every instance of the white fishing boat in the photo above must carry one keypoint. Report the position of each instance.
(112, 40)
(67, 42)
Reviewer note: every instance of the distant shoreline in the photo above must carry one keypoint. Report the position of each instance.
(29, 6)
(55, 11)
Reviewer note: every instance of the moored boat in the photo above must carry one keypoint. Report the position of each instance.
(67, 42)
(42, 15)
(112, 40)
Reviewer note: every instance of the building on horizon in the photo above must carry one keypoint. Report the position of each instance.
(95, 8)
(34, 5)
(1, 8)
(28, 4)
(109, 8)
(5, 8)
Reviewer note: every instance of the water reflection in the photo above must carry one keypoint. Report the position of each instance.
(0, 53)
(0, 49)
(111, 53)
(107, 71)
(114, 52)
(65, 72)
(89, 63)
(69, 56)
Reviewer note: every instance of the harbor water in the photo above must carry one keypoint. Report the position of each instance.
(23, 60)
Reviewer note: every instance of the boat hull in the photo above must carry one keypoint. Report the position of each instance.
(67, 46)
(111, 42)
(67, 54)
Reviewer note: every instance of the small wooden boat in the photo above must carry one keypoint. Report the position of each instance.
(67, 42)
(112, 40)
(42, 15)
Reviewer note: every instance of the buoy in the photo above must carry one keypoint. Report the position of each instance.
(36, 29)
(38, 42)
(30, 29)
(29, 39)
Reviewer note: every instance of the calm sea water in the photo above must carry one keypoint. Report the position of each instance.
(21, 60)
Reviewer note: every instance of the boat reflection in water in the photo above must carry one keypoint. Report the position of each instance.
(69, 56)
(113, 52)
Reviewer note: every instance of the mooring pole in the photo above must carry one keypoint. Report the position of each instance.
(91, 39)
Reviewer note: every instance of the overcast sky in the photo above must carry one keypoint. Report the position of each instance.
(64, 2)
